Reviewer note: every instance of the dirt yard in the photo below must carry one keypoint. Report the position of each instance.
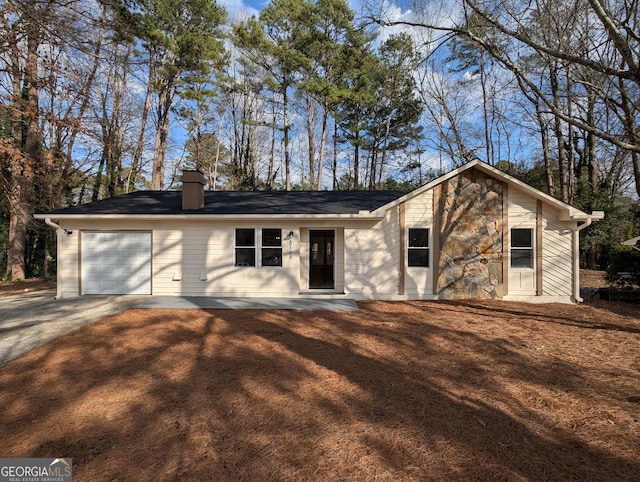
(396, 391)
(34, 284)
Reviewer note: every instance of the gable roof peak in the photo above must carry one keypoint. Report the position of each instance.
(569, 212)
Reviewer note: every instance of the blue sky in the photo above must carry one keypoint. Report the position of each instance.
(254, 6)
(235, 7)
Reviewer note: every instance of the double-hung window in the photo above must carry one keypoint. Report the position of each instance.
(270, 247)
(418, 247)
(521, 248)
(245, 247)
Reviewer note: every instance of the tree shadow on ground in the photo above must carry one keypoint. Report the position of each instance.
(555, 313)
(392, 392)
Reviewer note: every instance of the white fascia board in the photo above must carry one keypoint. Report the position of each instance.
(424, 188)
(569, 212)
(594, 216)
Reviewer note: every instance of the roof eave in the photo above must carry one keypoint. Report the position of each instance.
(363, 215)
(578, 215)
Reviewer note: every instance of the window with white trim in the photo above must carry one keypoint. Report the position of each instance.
(418, 247)
(270, 247)
(522, 248)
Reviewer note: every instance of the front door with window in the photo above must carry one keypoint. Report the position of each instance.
(322, 256)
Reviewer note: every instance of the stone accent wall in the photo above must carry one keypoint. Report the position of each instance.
(469, 225)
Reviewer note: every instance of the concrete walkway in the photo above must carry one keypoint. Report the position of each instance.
(30, 320)
(207, 303)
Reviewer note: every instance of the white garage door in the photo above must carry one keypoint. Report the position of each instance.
(116, 263)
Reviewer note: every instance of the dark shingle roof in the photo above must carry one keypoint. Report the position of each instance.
(239, 202)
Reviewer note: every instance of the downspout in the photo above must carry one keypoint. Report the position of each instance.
(59, 230)
(576, 259)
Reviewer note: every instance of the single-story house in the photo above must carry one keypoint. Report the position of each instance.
(475, 232)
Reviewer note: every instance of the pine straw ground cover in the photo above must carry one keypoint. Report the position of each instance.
(396, 391)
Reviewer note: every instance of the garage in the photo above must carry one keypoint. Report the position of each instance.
(116, 262)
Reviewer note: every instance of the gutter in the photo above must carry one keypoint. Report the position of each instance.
(597, 215)
(59, 231)
(633, 242)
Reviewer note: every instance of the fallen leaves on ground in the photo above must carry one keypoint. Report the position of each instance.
(395, 391)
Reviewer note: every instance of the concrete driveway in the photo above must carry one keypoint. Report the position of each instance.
(30, 320)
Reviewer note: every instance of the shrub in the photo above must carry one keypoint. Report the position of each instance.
(624, 267)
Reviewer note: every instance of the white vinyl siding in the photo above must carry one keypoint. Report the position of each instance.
(198, 259)
(339, 260)
(356, 252)
(522, 211)
(383, 258)
(68, 276)
(372, 258)
(419, 214)
(557, 261)
(556, 250)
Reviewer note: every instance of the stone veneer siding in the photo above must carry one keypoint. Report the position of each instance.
(470, 233)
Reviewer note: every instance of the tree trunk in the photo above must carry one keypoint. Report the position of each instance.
(285, 128)
(85, 94)
(373, 167)
(335, 156)
(162, 138)
(571, 161)
(323, 144)
(591, 142)
(356, 161)
(544, 140)
(166, 94)
(485, 113)
(272, 155)
(385, 142)
(564, 182)
(97, 184)
(311, 143)
(636, 171)
(632, 135)
(137, 154)
(23, 167)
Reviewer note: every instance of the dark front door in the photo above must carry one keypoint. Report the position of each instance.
(322, 247)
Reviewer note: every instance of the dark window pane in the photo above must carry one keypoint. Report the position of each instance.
(522, 238)
(419, 258)
(317, 254)
(271, 256)
(521, 258)
(418, 238)
(271, 237)
(245, 237)
(245, 257)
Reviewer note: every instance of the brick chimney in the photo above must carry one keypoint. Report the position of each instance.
(192, 190)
